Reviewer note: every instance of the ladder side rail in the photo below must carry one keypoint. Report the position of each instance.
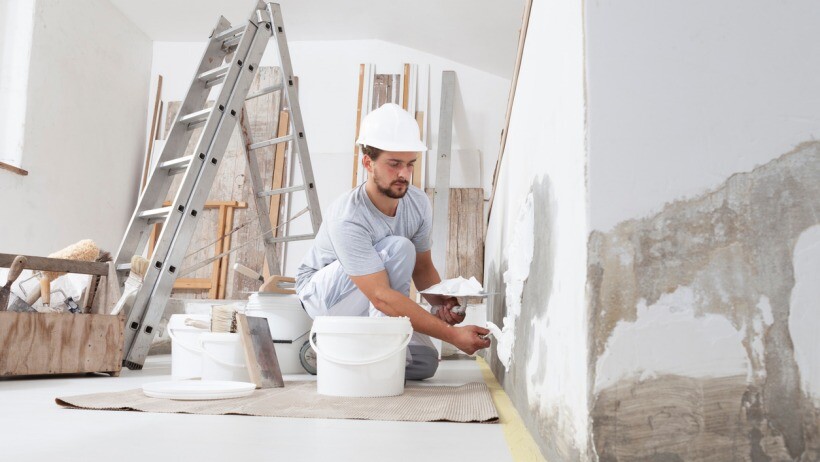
(299, 142)
(250, 50)
(159, 260)
(157, 186)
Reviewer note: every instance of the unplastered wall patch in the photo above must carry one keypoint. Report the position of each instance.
(519, 257)
(711, 304)
(668, 338)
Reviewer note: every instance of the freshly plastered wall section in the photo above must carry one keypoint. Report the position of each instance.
(536, 238)
(704, 199)
(84, 130)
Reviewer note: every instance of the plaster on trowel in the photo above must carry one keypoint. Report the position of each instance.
(456, 287)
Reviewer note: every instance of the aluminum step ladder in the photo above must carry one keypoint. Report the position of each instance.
(231, 59)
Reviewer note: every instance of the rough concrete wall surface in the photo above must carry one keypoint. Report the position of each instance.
(705, 323)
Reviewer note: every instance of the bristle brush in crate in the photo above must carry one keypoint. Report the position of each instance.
(132, 285)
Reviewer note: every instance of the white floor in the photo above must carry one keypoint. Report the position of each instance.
(34, 428)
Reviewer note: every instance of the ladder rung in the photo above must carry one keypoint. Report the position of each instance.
(124, 267)
(176, 165)
(197, 117)
(214, 76)
(265, 91)
(262, 144)
(273, 192)
(155, 215)
(298, 237)
(231, 42)
(231, 32)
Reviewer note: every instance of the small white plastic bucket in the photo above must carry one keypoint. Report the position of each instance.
(360, 356)
(289, 326)
(223, 357)
(186, 353)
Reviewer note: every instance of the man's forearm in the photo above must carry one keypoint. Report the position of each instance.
(395, 303)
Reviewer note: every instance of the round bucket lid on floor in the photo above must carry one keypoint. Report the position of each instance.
(198, 389)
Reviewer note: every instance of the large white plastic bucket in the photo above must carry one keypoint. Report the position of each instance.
(289, 326)
(360, 356)
(223, 357)
(186, 353)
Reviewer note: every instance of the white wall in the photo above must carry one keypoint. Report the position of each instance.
(16, 27)
(546, 145)
(328, 74)
(84, 135)
(684, 94)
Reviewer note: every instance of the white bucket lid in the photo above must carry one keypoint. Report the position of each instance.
(219, 337)
(177, 321)
(362, 325)
(266, 301)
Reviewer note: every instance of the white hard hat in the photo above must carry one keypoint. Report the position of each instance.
(391, 128)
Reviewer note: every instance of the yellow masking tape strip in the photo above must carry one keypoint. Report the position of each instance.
(519, 439)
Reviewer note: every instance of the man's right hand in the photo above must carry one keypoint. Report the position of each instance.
(466, 338)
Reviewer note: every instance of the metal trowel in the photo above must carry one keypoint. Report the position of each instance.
(14, 272)
(19, 305)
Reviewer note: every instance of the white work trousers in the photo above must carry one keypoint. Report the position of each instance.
(330, 292)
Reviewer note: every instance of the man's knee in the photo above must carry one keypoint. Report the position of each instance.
(424, 363)
(397, 247)
(397, 253)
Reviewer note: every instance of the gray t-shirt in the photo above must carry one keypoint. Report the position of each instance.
(352, 226)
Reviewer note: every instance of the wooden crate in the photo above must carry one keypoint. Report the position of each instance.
(64, 343)
(60, 343)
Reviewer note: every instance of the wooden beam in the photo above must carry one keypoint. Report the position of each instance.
(217, 204)
(277, 181)
(226, 245)
(58, 265)
(358, 125)
(522, 37)
(218, 249)
(12, 168)
(405, 86)
(419, 165)
(192, 283)
(154, 125)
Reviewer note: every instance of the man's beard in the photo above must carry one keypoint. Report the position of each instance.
(388, 191)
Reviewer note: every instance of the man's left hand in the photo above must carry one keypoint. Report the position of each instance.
(446, 315)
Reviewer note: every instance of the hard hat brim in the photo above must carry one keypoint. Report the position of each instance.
(393, 146)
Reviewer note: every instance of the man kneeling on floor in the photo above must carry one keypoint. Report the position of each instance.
(375, 238)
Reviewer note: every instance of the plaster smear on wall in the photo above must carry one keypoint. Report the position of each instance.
(804, 322)
(668, 338)
(519, 257)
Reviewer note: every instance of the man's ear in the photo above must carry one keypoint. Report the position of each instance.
(367, 163)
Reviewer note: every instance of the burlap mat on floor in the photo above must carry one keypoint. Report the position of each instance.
(471, 402)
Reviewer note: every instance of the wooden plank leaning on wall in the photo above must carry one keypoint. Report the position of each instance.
(521, 40)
